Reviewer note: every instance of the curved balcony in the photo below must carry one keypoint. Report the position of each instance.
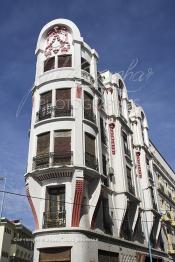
(53, 159)
(53, 111)
(87, 77)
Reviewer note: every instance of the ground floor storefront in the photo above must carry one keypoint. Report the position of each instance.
(85, 246)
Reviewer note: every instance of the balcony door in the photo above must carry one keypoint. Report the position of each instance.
(62, 147)
(55, 208)
(63, 102)
(45, 105)
(90, 158)
(42, 155)
(88, 107)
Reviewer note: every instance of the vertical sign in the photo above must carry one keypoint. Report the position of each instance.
(139, 171)
(111, 129)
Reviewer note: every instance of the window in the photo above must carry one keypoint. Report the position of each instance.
(104, 165)
(125, 143)
(130, 186)
(43, 143)
(49, 64)
(106, 256)
(63, 102)
(62, 147)
(45, 106)
(90, 159)
(55, 215)
(42, 155)
(64, 61)
(88, 107)
(103, 133)
(85, 65)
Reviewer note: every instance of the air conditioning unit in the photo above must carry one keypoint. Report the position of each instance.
(110, 171)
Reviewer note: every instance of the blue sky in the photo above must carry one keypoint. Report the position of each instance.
(122, 32)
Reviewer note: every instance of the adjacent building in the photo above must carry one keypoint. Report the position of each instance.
(98, 188)
(16, 242)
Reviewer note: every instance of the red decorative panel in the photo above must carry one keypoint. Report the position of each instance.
(57, 40)
(78, 91)
(32, 207)
(111, 130)
(139, 171)
(77, 203)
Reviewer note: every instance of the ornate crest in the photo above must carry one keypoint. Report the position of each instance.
(57, 41)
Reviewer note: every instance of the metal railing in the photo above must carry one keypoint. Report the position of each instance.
(52, 159)
(87, 76)
(91, 161)
(41, 161)
(64, 158)
(53, 111)
(45, 112)
(54, 219)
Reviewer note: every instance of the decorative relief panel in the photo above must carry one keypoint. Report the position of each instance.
(57, 41)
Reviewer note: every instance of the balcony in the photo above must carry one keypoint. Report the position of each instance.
(47, 113)
(54, 219)
(91, 161)
(52, 159)
(44, 113)
(41, 161)
(62, 112)
(89, 115)
(65, 158)
(87, 77)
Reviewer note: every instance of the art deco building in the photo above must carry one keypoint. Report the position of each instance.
(93, 174)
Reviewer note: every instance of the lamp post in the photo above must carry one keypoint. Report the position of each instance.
(2, 178)
(149, 244)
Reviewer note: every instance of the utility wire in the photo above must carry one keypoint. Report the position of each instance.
(66, 202)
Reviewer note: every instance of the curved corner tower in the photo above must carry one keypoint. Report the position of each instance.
(63, 171)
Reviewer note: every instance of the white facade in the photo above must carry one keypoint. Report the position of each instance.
(90, 159)
(16, 242)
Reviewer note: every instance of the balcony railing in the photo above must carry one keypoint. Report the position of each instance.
(45, 112)
(54, 219)
(53, 111)
(89, 115)
(131, 189)
(60, 112)
(65, 158)
(41, 161)
(87, 77)
(52, 159)
(91, 161)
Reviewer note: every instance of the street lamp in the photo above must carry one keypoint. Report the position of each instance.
(149, 244)
(2, 178)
